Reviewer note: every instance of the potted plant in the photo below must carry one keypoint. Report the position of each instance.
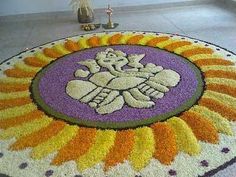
(84, 10)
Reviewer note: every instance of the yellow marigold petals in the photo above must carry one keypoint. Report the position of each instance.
(197, 51)
(180, 50)
(144, 148)
(162, 44)
(51, 53)
(13, 95)
(25, 129)
(83, 43)
(12, 80)
(43, 57)
(125, 38)
(77, 147)
(222, 89)
(104, 40)
(218, 67)
(115, 39)
(18, 73)
(214, 105)
(17, 111)
(166, 147)
(145, 39)
(55, 143)
(34, 61)
(221, 123)
(186, 141)
(104, 141)
(94, 41)
(71, 46)
(202, 128)
(6, 88)
(14, 102)
(171, 47)
(6, 123)
(204, 56)
(226, 99)
(39, 136)
(153, 42)
(61, 49)
(27, 68)
(135, 39)
(120, 151)
(221, 81)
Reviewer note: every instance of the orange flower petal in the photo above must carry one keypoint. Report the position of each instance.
(115, 39)
(196, 51)
(207, 62)
(173, 46)
(4, 124)
(78, 146)
(72, 46)
(135, 39)
(33, 61)
(202, 128)
(166, 147)
(222, 89)
(13, 87)
(35, 138)
(94, 41)
(51, 53)
(120, 151)
(14, 102)
(153, 42)
(18, 73)
(214, 105)
(220, 74)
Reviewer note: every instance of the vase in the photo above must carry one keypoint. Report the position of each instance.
(85, 15)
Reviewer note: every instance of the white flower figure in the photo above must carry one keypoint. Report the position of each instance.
(109, 90)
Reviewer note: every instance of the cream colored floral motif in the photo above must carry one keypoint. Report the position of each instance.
(115, 79)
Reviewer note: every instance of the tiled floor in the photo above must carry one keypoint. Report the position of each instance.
(210, 22)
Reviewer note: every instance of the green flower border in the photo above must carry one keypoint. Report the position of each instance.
(35, 95)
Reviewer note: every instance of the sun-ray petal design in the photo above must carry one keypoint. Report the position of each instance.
(207, 62)
(77, 147)
(83, 43)
(214, 105)
(153, 42)
(9, 103)
(52, 53)
(104, 40)
(35, 62)
(18, 73)
(144, 147)
(220, 74)
(72, 46)
(39, 136)
(171, 47)
(42, 57)
(104, 141)
(221, 123)
(202, 128)
(123, 146)
(115, 39)
(93, 41)
(8, 88)
(135, 39)
(25, 129)
(61, 49)
(186, 141)
(12, 80)
(196, 51)
(27, 68)
(13, 95)
(55, 143)
(166, 146)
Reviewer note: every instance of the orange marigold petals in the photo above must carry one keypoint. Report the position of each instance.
(78, 146)
(94, 41)
(115, 39)
(18, 73)
(72, 46)
(33, 61)
(196, 51)
(222, 89)
(20, 119)
(121, 150)
(166, 147)
(214, 105)
(173, 46)
(14, 102)
(207, 62)
(220, 74)
(153, 42)
(13, 87)
(35, 138)
(202, 128)
(51, 53)
(135, 39)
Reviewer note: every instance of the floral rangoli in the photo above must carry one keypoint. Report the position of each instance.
(118, 104)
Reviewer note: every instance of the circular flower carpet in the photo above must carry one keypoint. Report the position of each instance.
(118, 104)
